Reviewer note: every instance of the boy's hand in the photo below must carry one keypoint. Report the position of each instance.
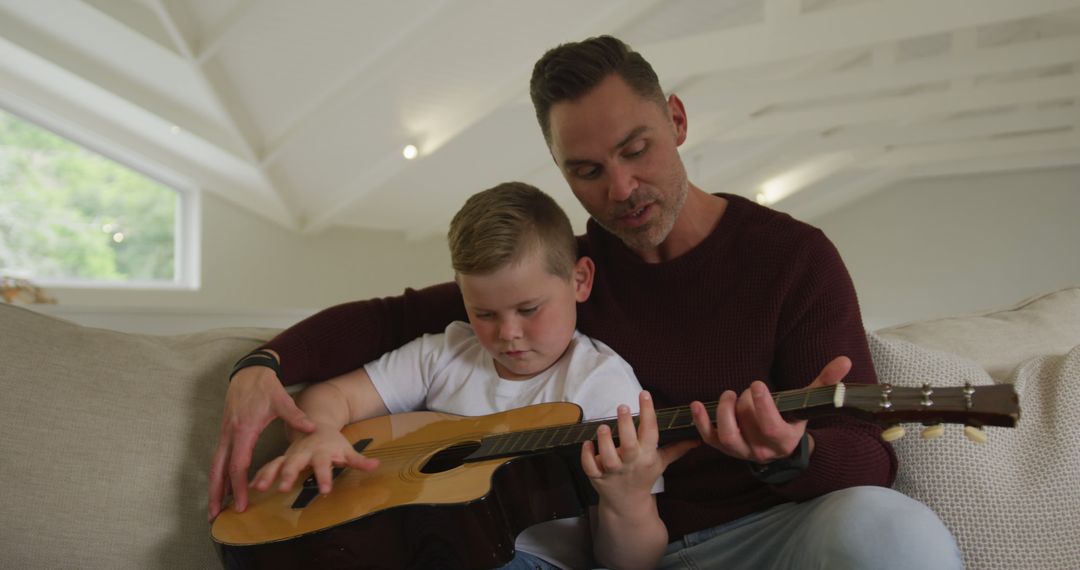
(322, 450)
(629, 471)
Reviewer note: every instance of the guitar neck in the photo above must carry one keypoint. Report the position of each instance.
(996, 405)
(674, 424)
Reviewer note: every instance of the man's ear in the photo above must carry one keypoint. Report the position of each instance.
(677, 112)
(584, 270)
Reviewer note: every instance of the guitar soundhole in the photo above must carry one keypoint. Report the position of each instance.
(450, 457)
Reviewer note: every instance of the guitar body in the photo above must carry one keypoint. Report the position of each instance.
(421, 508)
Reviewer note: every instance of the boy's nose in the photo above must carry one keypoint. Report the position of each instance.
(509, 329)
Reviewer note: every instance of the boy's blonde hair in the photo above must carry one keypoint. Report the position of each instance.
(501, 225)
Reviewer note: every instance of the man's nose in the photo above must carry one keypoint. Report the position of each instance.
(623, 184)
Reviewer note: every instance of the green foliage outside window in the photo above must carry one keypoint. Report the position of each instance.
(68, 213)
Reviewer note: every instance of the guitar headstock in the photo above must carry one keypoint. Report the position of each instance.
(974, 406)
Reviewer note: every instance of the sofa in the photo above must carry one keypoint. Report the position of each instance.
(108, 435)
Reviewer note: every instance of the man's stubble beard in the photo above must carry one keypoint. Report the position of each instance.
(653, 234)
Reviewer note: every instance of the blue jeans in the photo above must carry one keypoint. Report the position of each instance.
(526, 561)
(858, 528)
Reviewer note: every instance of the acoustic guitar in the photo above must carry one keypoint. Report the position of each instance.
(455, 491)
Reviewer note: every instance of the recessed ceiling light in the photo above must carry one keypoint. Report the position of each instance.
(175, 129)
(409, 152)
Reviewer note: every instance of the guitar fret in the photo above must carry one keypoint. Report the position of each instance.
(538, 439)
(527, 442)
(548, 438)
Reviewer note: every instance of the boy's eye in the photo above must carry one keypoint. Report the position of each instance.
(484, 316)
(528, 310)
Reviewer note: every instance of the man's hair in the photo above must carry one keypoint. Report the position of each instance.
(569, 71)
(501, 225)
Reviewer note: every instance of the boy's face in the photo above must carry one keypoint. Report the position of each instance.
(619, 153)
(523, 315)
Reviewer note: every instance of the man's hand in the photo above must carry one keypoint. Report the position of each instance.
(255, 398)
(749, 427)
(322, 449)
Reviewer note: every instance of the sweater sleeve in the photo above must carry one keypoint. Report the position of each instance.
(344, 337)
(820, 320)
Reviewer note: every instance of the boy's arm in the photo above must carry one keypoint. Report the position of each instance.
(330, 406)
(626, 526)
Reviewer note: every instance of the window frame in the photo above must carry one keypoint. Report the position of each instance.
(187, 247)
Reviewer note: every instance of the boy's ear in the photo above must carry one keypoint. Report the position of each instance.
(584, 270)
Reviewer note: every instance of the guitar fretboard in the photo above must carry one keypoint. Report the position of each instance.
(669, 421)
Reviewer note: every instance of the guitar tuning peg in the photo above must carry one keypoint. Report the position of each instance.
(975, 434)
(933, 432)
(894, 433)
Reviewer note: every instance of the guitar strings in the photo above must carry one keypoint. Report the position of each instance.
(581, 432)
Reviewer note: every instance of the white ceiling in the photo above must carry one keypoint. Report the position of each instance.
(299, 110)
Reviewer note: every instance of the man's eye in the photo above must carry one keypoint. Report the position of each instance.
(636, 150)
(588, 173)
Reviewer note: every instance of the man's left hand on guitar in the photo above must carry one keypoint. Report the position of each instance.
(749, 427)
(255, 398)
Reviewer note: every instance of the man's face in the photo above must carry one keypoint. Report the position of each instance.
(618, 151)
(523, 315)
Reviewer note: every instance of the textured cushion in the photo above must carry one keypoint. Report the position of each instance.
(1012, 503)
(107, 443)
(1001, 340)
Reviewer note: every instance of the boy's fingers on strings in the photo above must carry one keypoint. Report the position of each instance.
(648, 433)
(588, 461)
(609, 456)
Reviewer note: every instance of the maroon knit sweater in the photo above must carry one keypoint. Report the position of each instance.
(764, 297)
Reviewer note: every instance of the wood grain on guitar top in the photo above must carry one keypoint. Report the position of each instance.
(403, 443)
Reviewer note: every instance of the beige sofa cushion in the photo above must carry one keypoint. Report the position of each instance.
(999, 341)
(107, 442)
(1013, 502)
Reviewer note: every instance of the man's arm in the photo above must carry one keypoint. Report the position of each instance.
(821, 320)
(327, 344)
(820, 338)
(345, 337)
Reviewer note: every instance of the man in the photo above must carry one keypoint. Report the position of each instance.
(703, 294)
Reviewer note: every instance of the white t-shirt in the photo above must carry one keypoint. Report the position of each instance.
(451, 372)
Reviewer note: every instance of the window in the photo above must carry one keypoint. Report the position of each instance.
(69, 215)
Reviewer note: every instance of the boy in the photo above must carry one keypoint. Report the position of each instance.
(515, 259)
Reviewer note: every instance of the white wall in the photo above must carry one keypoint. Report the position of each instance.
(255, 273)
(953, 245)
(919, 249)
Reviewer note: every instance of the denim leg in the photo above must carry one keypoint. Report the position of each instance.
(856, 528)
(526, 561)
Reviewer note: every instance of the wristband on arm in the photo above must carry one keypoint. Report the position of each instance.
(257, 358)
(785, 469)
